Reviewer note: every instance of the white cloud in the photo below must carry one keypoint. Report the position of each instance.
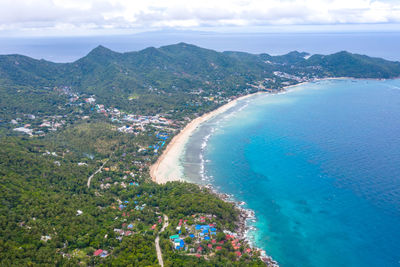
(146, 14)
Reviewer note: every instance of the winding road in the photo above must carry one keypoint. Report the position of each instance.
(97, 171)
(157, 241)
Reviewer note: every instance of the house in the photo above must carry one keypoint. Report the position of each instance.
(97, 252)
(173, 237)
(128, 233)
(180, 244)
(229, 237)
(23, 130)
(104, 254)
(45, 238)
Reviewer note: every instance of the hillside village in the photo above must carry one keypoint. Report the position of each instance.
(78, 140)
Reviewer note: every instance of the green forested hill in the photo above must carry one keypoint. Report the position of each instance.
(109, 116)
(175, 71)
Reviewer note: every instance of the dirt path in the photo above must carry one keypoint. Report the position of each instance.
(157, 241)
(96, 172)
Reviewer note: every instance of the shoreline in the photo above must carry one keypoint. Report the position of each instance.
(167, 167)
(170, 160)
(242, 227)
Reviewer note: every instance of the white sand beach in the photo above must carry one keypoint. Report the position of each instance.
(168, 168)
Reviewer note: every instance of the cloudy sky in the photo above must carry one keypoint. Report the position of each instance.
(69, 17)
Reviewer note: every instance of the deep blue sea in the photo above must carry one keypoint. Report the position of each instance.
(319, 165)
(68, 49)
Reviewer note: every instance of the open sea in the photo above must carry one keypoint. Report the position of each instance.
(68, 49)
(319, 165)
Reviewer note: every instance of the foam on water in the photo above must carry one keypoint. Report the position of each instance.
(319, 165)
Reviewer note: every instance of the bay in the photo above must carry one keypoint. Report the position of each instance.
(319, 165)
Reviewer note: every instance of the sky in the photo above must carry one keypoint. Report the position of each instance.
(87, 17)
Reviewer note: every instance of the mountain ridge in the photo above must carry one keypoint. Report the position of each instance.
(174, 72)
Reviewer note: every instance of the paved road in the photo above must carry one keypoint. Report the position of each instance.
(157, 241)
(97, 171)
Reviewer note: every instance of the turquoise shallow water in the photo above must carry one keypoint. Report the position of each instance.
(319, 165)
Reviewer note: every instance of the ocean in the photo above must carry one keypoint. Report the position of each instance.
(68, 49)
(319, 165)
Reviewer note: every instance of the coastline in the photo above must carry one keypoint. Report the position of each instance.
(242, 224)
(167, 166)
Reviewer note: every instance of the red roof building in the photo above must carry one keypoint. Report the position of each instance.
(98, 252)
(229, 237)
(127, 233)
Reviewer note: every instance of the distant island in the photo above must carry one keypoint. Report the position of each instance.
(78, 140)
